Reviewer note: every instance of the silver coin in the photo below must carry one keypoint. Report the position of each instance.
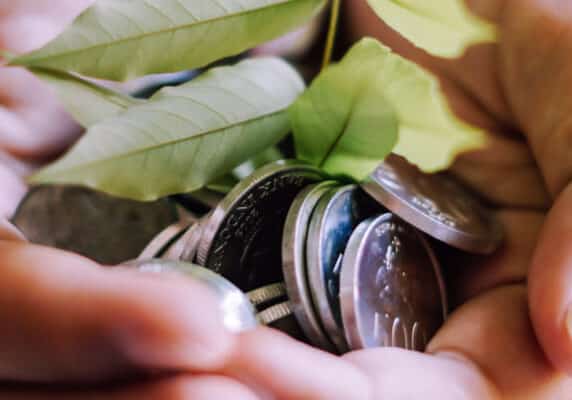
(267, 294)
(106, 229)
(163, 240)
(294, 263)
(241, 240)
(435, 204)
(335, 217)
(185, 248)
(391, 288)
(275, 313)
(238, 313)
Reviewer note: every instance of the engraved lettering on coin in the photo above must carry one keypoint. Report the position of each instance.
(242, 239)
(435, 204)
(392, 292)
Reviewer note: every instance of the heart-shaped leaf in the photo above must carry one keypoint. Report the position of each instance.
(87, 102)
(118, 40)
(347, 121)
(444, 28)
(184, 137)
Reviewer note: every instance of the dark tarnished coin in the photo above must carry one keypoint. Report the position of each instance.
(334, 219)
(391, 288)
(242, 238)
(294, 263)
(238, 313)
(106, 229)
(435, 204)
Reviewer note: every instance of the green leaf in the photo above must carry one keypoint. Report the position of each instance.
(118, 40)
(444, 28)
(184, 137)
(342, 124)
(347, 120)
(87, 102)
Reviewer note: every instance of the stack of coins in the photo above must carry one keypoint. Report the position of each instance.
(341, 266)
(344, 267)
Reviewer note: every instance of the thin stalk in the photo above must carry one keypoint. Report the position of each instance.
(332, 30)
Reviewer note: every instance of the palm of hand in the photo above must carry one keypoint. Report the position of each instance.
(515, 91)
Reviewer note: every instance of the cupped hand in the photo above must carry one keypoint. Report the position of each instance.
(511, 336)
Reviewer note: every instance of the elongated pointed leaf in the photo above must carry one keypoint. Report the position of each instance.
(125, 39)
(441, 27)
(344, 122)
(184, 137)
(87, 102)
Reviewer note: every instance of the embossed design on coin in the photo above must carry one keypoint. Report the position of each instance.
(267, 294)
(392, 291)
(241, 240)
(106, 229)
(435, 204)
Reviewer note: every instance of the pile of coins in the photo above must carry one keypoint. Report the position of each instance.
(340, 266)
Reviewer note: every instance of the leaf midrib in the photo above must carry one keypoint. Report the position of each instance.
(158, 32)
(168, 143)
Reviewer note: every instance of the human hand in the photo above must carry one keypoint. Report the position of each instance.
(516, 91)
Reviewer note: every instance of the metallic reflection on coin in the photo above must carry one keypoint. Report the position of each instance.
(435, 204)
(335, 217)
(185, 248)
(274, 313)
(241, 240)
(294, 263)
(162, 241)
(106, 229)
(267, 294)
(391, 288)
(238, 313)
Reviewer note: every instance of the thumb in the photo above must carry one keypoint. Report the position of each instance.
(550, 284)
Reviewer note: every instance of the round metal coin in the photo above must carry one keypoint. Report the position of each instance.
(241, 240)
(435, 204)
(238, 313)
(294, 263)
(334, 219)
(163, 240)
(391, 288)
(106, 229)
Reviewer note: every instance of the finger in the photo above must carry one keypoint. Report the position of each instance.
(178, 388)
(292, 370)
(65, 319)
(13, 190)
(493, 333)
(551, 284)
(10, 232)
(470, 276)
(401, 374)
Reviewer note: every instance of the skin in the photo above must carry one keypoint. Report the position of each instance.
(508, 338)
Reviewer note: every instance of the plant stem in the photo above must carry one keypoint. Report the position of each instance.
(332, 30)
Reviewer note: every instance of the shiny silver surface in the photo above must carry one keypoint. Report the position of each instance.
(391, 288)
(238, 313)
(267, 294)
(159, 244)
(185, 248)
(275, 313)
(294, 263)
(242, 238)
(435, 204)
(335, 217)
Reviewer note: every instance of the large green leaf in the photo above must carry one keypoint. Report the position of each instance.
(87, 102)
(184, 137)
(442, 27)
(124, 39)
(345, 121)
(342, 123)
